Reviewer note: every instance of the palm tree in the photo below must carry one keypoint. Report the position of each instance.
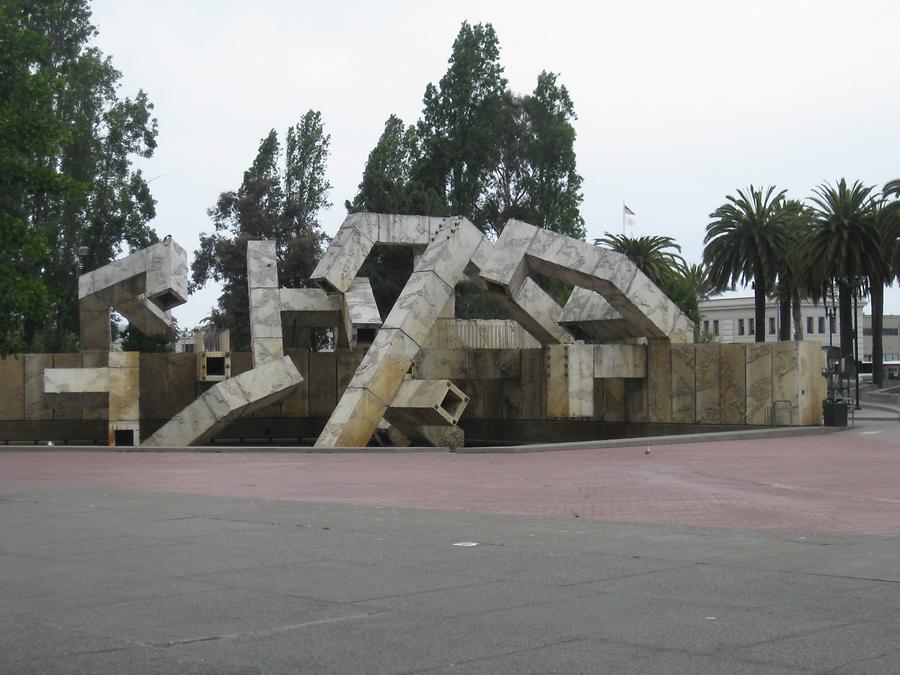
(746, 242)
(792, 284)
(885, 225)
(844, 246)
(652, 255)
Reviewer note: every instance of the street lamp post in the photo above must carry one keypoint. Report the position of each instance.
(856, 344)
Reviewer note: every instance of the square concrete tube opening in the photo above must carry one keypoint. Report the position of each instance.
(427, 403)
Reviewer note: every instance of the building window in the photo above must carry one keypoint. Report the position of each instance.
(833, 323)
(188, 348)
(752, 329)
(771, 325)
(740, 326)
(706, 326)
(715, 327)
(809, 325)
(868, 331)
(889, 331)
(822, 325)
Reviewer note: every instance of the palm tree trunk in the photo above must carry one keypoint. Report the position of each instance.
(845, 306)
(877, 292)
(784, 320)
(759, 292)
(798, 317)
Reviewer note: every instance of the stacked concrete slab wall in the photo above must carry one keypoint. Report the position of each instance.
(714, 384)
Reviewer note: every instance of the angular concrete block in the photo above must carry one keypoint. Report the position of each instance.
(419, 305)
(786, 382)
(262, 264)
(684, 389)
(759, 382)
(323, 373)
(145, 315)
(347, 252)
(433, 364)
(709, 404)
(405, 230)
(426, 403)
(225, 401)
(813, 385)
(590, 313)
(12, 375)
(449, 250)
(124, 394)
(620, 360)
(36, 407)
(659, 380)
(385, 364)
(265, 313)
(637, 396)
(733, 382)
(124, 360)
(143, 287)
(166, 284)
(266, 350)
(361, 306)
(570, 380)
(614, 400)
(538, 313)
(506, 268)
(76, 380)
(353, 421)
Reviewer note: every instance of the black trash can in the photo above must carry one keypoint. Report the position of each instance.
(834, 413)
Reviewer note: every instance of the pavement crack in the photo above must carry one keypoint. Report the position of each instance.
(862, 660)
(267, 631)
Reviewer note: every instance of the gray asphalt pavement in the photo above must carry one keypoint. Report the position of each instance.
(96, 582)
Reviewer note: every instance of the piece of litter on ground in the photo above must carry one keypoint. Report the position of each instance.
(466, 543)
(710, 618)
(869, 433)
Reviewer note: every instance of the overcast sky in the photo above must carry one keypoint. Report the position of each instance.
(678, 103)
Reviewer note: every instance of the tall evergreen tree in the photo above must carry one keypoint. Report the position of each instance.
(278, 200)
(461, 122)
(68, 180)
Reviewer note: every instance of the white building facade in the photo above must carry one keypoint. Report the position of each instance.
(733, 320)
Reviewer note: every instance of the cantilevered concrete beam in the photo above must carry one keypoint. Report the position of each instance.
(143, 287)
(225, 402)
(523, 249)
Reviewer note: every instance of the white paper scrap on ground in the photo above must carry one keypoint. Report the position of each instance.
(466, 543)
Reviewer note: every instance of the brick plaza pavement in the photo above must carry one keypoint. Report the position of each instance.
(839, 483)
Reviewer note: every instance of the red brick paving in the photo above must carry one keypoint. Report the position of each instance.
(836, 483)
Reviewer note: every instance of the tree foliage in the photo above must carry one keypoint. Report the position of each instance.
(659, 258)
(745, 243)
(67, 143)
(478, 151)
(844, 245)
(279, 199)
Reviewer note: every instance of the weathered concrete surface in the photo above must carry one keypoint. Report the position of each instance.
(405, 329)
(143, 287)
(620, 360)
(427, 403)
(357, 235)
(266, 339)
(213, 410)
(522, 249)
(591, 313)
(570, 380)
